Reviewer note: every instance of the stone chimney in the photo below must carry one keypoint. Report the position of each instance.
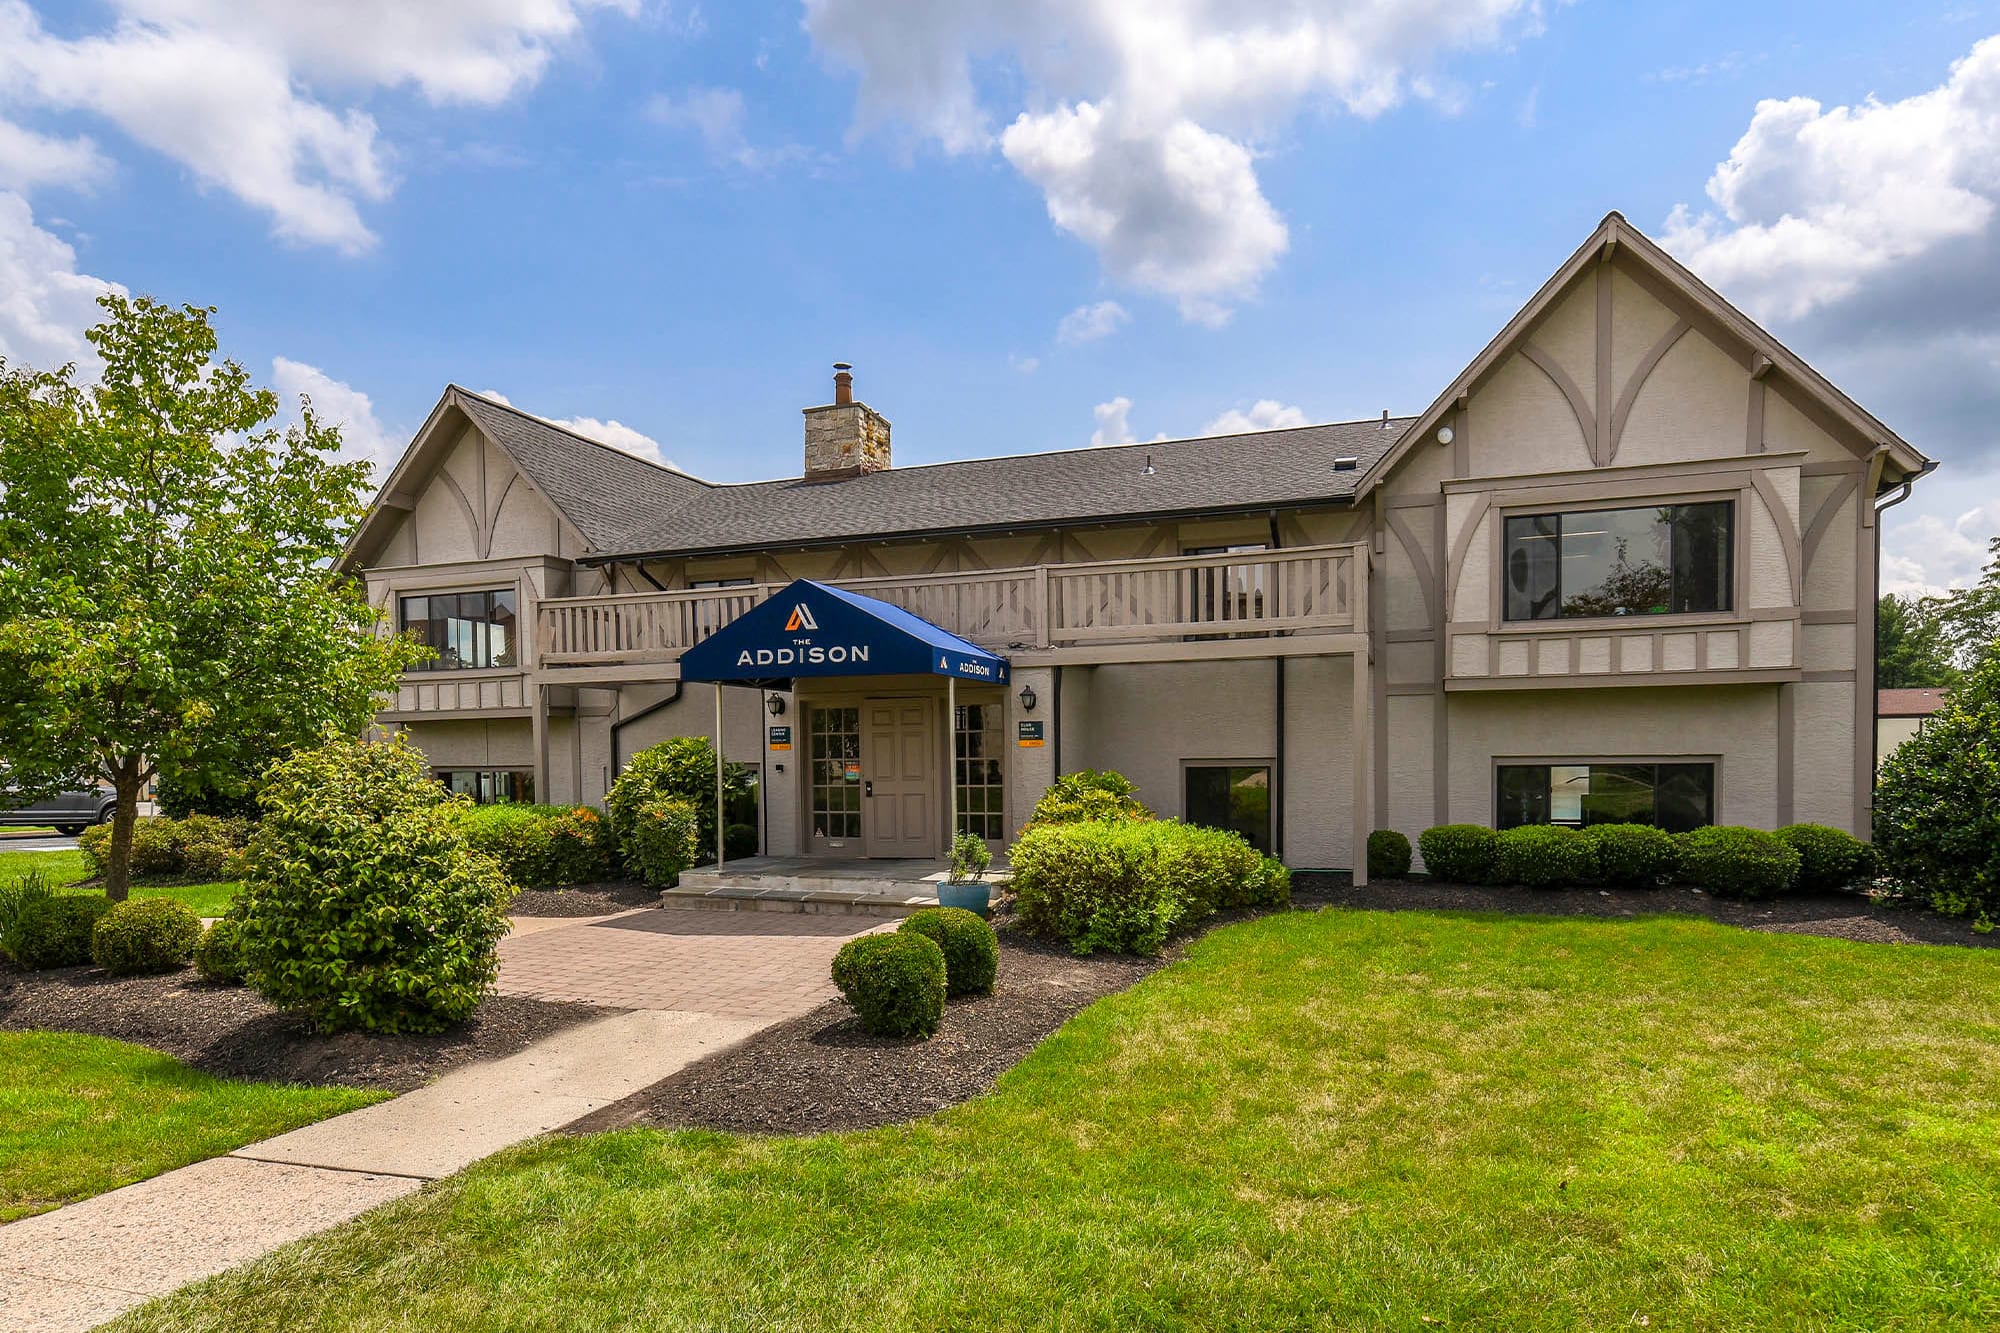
(845, 438)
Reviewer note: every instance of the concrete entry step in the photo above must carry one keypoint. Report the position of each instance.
(840, 902)
(813, 884)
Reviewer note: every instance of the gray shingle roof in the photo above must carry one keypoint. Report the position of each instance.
(625, 506)
(1226, 472)
(605, 492)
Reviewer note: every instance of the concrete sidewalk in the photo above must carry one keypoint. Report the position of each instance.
(78, 1266)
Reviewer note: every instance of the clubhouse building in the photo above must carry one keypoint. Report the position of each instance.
(1623, 567)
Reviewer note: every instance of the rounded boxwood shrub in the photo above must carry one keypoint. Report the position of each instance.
(971, 949)
(896, 983)
(1086, 795)
(42, 928)
(156, 848)
(1633, 856)
(219, 957)
(363, 905)
(1543, 856)
(1829, 858)
(684, 768)
(1937, 805)
(665, 839)
(1742, 862)
(145, 935)
(95, 844)
(1126, 885)
(1388, 854)
(1460, 853)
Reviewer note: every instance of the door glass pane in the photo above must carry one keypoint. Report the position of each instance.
(1615, 562)
(835, 738)
(976, 738)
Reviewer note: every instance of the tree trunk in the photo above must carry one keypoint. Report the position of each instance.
(118, 870)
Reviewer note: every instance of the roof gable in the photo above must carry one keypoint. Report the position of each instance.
(1617, 241)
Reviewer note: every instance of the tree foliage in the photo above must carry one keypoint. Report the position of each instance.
(1912, 649)
(1937, 806)
(167, 598)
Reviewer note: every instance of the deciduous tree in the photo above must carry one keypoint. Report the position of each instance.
(168, 602)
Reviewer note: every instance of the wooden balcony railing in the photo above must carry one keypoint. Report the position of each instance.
(1317, 589)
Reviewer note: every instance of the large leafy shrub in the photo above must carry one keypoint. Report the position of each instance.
(1829, 858)
(1388, 854)
(1089, 794)
(219, 957)
(145, 935)
(364, 906)
(50, 929)
(896, 983)
(1543, 856)
(1125, 886)
(1632, 856)
(1459, 853)
(542, 845)
(971, 949)
(1937, 806)
(200, 847)
(664, 840)
(682, 768)
(1740, 862)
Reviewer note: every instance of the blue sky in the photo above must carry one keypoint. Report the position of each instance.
(673, 218)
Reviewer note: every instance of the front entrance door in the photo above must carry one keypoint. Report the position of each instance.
(900, 809)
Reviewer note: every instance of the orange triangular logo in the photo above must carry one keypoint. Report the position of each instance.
(801, 619)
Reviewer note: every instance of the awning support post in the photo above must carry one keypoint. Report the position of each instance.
(951, 759)
(718, 775)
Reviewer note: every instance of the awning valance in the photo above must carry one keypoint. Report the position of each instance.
(812, 629)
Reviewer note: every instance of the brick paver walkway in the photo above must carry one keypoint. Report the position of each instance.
(764, 965)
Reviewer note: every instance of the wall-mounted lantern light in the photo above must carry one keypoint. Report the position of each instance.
(1027, 698)
(776, 703)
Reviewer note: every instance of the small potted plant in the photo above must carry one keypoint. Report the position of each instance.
(965, 885)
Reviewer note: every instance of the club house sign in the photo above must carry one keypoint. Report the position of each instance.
(811, 629)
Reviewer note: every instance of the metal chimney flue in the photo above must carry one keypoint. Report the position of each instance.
(843, 384)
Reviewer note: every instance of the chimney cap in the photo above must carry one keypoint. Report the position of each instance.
(843, 365)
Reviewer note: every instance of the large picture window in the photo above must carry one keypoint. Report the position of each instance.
(1231, 796)
(1660, 560)
(468, 629)
(1675, 797)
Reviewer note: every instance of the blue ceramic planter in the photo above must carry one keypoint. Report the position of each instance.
(976, 896)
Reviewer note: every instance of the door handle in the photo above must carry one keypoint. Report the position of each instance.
(868, 789)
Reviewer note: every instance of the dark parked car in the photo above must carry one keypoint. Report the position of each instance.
(70, 812)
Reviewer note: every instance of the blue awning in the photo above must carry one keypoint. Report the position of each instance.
(811, 629)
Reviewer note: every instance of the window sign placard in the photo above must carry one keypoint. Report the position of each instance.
(851, 770)
(1031, 735)
(781, 738)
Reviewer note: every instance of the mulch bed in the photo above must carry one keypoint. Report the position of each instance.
(822, 1072)
(233, 1032)
(1844, 916)
(584, 900)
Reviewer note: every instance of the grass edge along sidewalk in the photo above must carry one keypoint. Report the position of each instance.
(83, 1115)
(1335, 1119)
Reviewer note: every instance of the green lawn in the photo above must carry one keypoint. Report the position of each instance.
(64, 868)
(1334, 1120)
(82, 1115)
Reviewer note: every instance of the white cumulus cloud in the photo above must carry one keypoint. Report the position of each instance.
(1264, 414)
(1114, 425)
(614, 433)
(1088, 323)
(337, 403)
(1140, 122)
(45, 304)
(246, 93)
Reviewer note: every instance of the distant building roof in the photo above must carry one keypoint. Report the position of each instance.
(1908, 703)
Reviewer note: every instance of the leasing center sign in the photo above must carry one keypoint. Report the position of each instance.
(811, 629)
